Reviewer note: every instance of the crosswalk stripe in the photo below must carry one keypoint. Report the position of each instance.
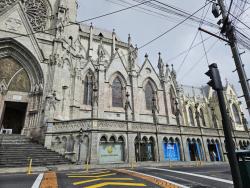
(86, 173)
(116, 183)
(83, 176)
(100, 179)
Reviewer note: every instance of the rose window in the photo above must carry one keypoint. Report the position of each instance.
(37, 11)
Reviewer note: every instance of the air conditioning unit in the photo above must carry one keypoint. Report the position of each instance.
(6, 131)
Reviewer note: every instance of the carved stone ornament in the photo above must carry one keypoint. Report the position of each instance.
(37, 11)
(3, 87)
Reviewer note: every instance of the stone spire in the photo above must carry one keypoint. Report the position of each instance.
(160, 65)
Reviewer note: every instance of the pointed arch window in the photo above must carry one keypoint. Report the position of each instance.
(149, 92)
(236, 114)
(202, 118)
(172, 100)
(191, 117)
(88, 89)
(117, 93)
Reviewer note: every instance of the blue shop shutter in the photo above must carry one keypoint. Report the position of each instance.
(218, 151)
(198, 149)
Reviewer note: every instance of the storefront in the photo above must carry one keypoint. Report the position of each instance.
(144, 149)
(171, 150)
(111, 151)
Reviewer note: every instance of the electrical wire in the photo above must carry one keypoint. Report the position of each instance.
(89, 19)
(198, 61)
(204, 48)
(172, 28)
(201, 22)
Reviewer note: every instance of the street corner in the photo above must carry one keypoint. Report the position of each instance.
(101, 178)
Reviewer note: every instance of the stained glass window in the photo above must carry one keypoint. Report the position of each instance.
(88, 89)
(191, 116)
(236, 114)
(149, 96)
(172, 101)
(117, 93)
(202, 118)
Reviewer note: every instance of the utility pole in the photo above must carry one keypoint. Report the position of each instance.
(216, 84)
(229, 31)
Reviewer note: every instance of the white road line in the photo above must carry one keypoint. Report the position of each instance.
(175, 177)
(38, 181)
(177, 184)
(192, 174)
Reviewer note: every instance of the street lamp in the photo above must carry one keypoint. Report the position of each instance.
(80, 142)
(244, 122)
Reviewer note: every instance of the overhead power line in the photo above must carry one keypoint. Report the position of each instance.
(90, 19)
(172, 28)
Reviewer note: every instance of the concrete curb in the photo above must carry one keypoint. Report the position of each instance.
(110, 166)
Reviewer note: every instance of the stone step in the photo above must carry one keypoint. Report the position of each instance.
(15, 150)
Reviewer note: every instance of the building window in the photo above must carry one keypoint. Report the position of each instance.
(149, 92)
(191, 116)
(117, 93)
(172, 100)
(88, 89)
(236, 114)
(202, 118)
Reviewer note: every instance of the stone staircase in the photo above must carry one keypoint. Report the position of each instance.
(16, 150)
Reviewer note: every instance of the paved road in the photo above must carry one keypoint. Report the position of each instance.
(100, 177)
(217, 176)
(209, 176)
(17, 180)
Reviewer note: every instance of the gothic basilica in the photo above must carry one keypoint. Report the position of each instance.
(80, 91)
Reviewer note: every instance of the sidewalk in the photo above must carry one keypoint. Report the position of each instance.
(109, 166)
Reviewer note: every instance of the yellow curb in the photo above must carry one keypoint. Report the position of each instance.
(159, 182)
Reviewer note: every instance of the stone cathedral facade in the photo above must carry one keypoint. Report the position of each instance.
(81, 91)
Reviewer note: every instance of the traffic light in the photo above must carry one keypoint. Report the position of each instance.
(214, 74)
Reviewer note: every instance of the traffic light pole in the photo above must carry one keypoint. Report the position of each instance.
(230, 34)
(216, 84)
(229, 141)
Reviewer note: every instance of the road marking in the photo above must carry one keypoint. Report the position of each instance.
(192, 174)
(49, 180)
(99, 179)
(116, 183)
(81, 173)
(186, 180)
(83, 176)
(38, 180)
(153, 179)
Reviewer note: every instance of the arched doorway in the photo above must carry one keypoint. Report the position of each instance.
(194, 150)
(214, 150)
(21, 89)
(171, 149)
(112, 150)
(145, 149)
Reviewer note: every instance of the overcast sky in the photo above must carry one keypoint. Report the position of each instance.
(143, 27)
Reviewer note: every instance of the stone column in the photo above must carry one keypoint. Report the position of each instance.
(48, 136)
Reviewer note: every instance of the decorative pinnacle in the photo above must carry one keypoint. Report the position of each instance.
(113, 31)
(146, 55)
(91, 25)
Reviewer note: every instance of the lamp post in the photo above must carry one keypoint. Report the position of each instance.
(139, 146)
(244, 121)
(154, 109)
(177, 115)
(79, 148)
